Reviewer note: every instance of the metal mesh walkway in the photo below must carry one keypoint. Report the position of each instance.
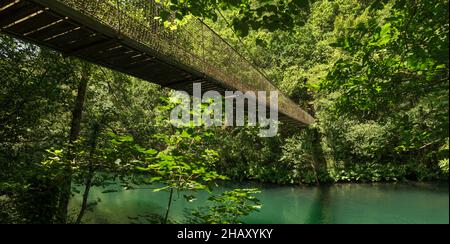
(124, 35)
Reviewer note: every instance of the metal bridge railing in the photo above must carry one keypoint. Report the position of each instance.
(193, 44)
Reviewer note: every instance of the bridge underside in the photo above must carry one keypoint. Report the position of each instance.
(72, 34)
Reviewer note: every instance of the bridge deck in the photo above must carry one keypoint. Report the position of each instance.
(101, 33)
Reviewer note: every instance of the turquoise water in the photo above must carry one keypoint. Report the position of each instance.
(346, 203)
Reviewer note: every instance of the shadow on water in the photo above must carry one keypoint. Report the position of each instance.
(320, 212)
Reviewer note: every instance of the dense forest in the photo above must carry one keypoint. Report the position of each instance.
(374, 74)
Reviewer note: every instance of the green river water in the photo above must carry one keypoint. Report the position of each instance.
(343, 203)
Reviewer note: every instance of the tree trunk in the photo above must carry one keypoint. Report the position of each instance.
(168, 206)
(90, 173)
(318, 158)
(73, 136)
(317, 153)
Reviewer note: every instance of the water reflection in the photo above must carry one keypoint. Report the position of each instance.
(320, 211)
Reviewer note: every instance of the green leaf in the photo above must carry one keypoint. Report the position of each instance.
(161, 189)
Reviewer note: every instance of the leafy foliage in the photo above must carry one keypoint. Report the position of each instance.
(183, 160)
(228, 207)
(373, 73)
(249, 14)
